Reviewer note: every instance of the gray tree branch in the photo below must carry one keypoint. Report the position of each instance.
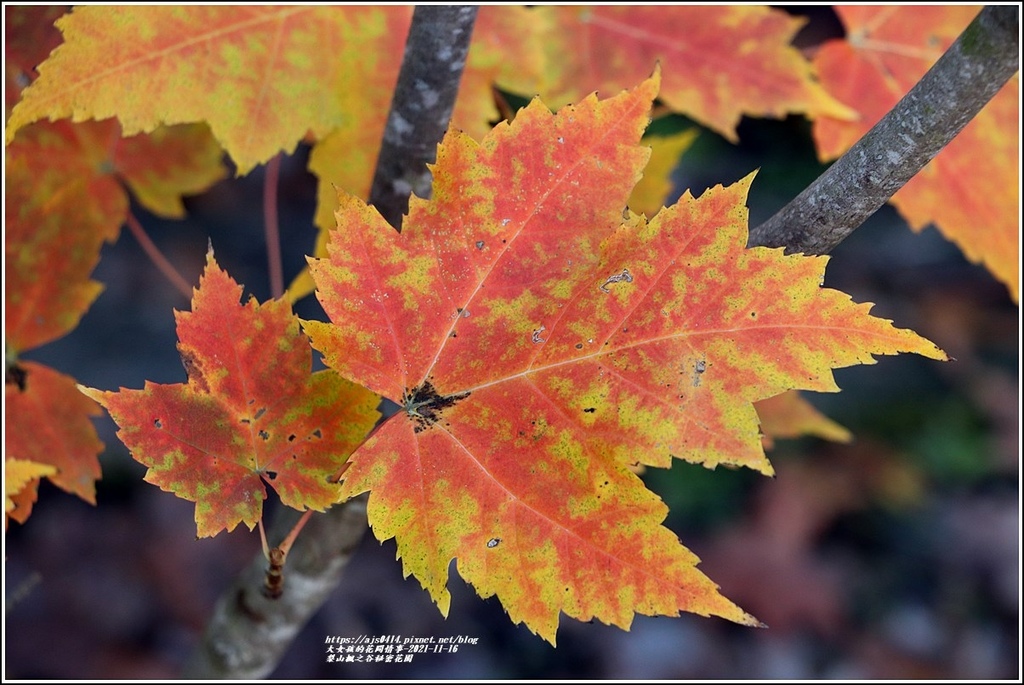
(249, 633)
(984, 57)
(421, 108)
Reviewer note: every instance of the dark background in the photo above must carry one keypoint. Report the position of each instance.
(895, 556)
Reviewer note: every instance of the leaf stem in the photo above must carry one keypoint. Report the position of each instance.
(421, 108)
(983, 58)
(263, 538)
(289, 540)
(274, 265)
(157, 257)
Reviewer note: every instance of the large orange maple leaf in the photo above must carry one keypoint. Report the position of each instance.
(539, 344)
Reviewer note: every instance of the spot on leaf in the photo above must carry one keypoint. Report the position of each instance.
(424, 405)
(624, 277)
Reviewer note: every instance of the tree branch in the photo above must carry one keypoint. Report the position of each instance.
(983, 58)
(249, 633)
(422, 106)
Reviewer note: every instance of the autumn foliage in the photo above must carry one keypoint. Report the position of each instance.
(539, 341)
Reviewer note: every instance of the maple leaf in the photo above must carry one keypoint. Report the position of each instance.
(651, 191)
(719, 63)
(261, 76)
(29, 36)
(250, 415)
(539, 345)
(21, 478)
(65, 198)
(971, 190)
(790, 415)
(47, 421)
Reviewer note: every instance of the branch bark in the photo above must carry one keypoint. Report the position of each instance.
(249, 633)
(983, 58)
(421, 108)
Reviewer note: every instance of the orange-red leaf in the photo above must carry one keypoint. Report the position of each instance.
(65, 197)
(719, 63)
(261, 76)
(29, 36)
(539, 345)
(48, 422)
(250, 415)
(971, 190)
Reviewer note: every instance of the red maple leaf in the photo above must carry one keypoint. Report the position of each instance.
(250, 415)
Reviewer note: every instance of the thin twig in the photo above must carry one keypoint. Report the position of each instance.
(968, 75)
(157, 257)
(270, 222)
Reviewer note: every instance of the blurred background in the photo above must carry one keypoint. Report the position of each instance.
(895, 556)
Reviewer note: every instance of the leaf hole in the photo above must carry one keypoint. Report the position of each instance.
(317, 434)
(493, 542)
(264, 434)
(272, 475)
(260, 412)
(589, 410)
(291, 437)
(158, 423)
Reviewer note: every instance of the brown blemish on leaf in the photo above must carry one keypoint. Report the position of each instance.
(424, 405)
(192, 370)
(16, 375)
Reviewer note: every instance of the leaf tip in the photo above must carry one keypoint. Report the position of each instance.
(92, 393)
